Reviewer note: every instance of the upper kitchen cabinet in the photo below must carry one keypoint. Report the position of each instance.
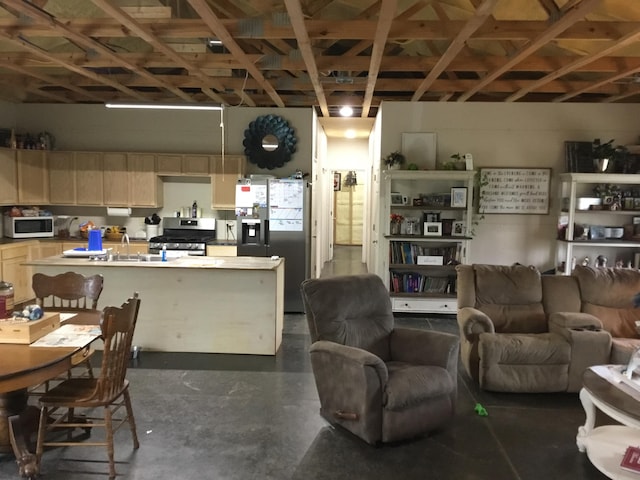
(145, 186)
(62, 178)
(115, 180)
(226, 172)
(89, 177)
(33, 177)
(188, 165)
(8, 177)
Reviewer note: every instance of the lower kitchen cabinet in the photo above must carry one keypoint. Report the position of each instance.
(222, 251)
(12, 270)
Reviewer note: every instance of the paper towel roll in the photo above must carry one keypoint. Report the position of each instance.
(118, 212)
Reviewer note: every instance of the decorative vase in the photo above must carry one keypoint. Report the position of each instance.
(395, 228)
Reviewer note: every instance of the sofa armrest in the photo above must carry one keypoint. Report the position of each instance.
(562, 320)
(425, 347)
(473, 322)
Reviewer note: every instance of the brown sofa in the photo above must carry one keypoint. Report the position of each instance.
(521, 331)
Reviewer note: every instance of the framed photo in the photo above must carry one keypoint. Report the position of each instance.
(597, 232)
(398, 199)
(337, 181)
(636, 220)
(458, 229)
(459, 197)
(432, 229)
(431, 217)
(636, 203)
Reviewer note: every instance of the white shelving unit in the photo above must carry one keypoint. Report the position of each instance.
(576, 185)
(424, 288)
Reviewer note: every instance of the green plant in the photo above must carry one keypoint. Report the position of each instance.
(394, 158)
(608, 157)
(479, 181)
(456, 162)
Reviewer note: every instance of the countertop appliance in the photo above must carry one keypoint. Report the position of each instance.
(28, 227)
(273, 220)
(184, 236)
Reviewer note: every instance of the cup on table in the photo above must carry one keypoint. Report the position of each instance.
(95, 240)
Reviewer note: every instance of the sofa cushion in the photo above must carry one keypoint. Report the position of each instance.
(621, 349)
(512, 297)
(607, 293)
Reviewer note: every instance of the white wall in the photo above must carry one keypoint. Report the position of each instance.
(511, 135)
(7, 115)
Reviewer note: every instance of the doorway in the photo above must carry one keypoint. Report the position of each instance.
(348, 208)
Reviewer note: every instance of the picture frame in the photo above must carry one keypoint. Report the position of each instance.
(337, 182)
(458, 229)
(514, 191)
(636, 203)
(597, 232)
(430, 217)
(432, 229)
(459, 197)
(397, 199)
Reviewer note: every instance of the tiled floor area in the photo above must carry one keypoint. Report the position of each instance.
(236, 417)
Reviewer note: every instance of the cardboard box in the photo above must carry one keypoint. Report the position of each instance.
(12, 331)
(430, 260)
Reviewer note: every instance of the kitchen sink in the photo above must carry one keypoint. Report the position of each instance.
(143, 257)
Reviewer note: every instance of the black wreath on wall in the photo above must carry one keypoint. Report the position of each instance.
(269, 142)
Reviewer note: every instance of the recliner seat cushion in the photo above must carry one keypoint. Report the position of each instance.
(607, 293)
(410, 385)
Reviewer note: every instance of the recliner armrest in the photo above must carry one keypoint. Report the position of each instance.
(425, 347)
(341, 355)
(560, 320)
(473, 322)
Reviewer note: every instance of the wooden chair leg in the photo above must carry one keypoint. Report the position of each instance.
(108, 420)
(131, 419)
(42, 430)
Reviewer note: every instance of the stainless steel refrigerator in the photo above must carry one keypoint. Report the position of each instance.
(273, 220)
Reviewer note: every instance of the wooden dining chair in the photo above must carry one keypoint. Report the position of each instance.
(109, 391)
(67, 292)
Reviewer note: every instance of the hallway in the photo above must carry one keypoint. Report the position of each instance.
(347, 260)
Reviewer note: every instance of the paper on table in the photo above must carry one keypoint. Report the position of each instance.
(66, 316)
(69, 336)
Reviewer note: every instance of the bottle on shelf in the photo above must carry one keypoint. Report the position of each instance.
(194, 209)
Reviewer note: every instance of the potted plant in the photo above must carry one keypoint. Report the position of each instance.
(607, 157)
(396, 223)
(394, 160)
(457, 162)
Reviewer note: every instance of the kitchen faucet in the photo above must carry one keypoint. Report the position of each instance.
(125, 237)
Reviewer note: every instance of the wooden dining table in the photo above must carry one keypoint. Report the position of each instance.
(24, 366)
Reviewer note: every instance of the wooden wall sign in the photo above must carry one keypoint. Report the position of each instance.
(514, 190)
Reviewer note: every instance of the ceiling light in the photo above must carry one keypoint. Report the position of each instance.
(165, 106)
(351, 133)
(346, 111)
(214, 42)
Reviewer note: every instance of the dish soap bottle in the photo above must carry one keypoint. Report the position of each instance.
(194, 209)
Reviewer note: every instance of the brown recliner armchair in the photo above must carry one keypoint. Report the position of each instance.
(381, 383)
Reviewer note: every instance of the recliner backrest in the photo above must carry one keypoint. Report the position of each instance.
(352, 310)
(510, 295)
(607, 293)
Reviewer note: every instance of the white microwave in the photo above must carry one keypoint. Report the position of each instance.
(28, 227)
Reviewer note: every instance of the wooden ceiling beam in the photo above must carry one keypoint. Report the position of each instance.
(571, 16)
(140, 31)
(482, 13)
(385, 18)
(218, 29)
(294, 9)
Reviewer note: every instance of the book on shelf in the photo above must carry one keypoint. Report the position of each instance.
(407, 253)
(631, 459)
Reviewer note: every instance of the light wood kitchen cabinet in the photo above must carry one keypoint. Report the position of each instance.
(188, 164)
(46, 249)
(89, 177)
(145, 187)
(225, 175)
(115, 180)
(222, 251)
(33, 177)
(8, 177)
(13, 271)
(62, 178)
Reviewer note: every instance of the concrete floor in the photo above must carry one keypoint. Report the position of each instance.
(242, 417)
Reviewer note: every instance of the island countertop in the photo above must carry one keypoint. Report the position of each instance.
(220, 263)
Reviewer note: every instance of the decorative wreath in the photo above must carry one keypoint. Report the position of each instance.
(260, 128)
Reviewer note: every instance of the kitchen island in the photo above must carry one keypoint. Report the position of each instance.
(193, 304)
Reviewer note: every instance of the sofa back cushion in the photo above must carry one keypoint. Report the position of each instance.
(512, 297)
(607, 293)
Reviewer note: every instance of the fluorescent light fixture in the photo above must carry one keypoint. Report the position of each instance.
(346, 111)
(214, 42)
(165, 106)
(350, 133)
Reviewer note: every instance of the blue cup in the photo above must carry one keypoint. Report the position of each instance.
(95, 240)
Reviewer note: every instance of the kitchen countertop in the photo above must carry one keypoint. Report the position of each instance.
(9, 241)
(218, 263)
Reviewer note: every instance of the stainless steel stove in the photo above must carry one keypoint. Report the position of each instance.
(184, 236)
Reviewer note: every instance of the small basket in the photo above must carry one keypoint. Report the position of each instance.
(113, 236)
